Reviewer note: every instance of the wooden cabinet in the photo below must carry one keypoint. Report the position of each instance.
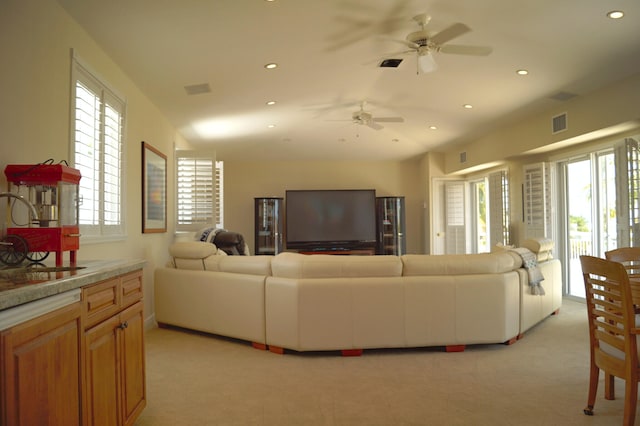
(40, 361)
(114, 370)
(76, 357)
(390, 226)
(269, 225)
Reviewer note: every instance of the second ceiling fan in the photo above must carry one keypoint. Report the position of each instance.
(424, 44)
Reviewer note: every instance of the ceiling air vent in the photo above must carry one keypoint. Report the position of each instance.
(196, 89)
(390, 63)
(463, 157)
(559, 123)
(562, 96)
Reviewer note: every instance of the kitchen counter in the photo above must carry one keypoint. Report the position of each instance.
(27, 287)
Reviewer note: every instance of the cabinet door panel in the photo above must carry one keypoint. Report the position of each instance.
(41, 383)
(102, 379)
(131, 288)
(101, 301)
(133, 367)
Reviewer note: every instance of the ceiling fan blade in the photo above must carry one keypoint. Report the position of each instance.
(426, 63)
(388, 119)
(374, 125)
(455, 30)
(466, 50)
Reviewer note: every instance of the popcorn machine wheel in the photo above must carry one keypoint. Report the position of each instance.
(46, 220)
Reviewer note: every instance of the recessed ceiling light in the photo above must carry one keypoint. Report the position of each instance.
(271, 66)
(522, 72)
(615, 14)
(271, 103)
(271, 126)
(467, 106)
(433, 128)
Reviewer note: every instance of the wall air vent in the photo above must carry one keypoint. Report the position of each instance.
(463, 157)
(559, 123)
(196, 89)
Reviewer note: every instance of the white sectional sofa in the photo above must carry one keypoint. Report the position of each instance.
(350, 303)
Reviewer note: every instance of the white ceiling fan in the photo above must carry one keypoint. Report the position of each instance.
(424, 44)
(365, 118)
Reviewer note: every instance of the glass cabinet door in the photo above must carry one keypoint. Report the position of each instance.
(269, 226)
(390, 224)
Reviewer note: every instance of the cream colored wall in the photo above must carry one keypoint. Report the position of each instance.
(37, 38)
(608, 110)
(245, 181)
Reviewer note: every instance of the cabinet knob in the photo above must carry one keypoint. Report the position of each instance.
(123, 325)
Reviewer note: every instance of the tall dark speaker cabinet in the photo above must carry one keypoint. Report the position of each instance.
(269, 227)
(390, 226)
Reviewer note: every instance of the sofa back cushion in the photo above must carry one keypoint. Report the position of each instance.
(460, 264)
(295, 265)
(191, 254)
(201, 256)
(251, 265)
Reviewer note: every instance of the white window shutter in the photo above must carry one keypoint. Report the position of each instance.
(97, 132)
(455, 229)
(627, 157)
(199, 190)
(499, 220)
(537, 194)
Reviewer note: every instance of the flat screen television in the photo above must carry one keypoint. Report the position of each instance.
(342, 219)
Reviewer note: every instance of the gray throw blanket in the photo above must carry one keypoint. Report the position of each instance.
(530, 263)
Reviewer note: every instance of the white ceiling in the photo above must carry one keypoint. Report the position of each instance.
(568, 46)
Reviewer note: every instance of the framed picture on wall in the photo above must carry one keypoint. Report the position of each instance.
(154, 190)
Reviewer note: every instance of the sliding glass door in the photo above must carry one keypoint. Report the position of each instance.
(588, 214)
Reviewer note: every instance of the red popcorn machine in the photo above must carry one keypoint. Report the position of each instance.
(42, 213)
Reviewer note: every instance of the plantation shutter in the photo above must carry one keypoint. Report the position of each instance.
(98, 133)
(627, 157)
(455, 230)
(499, 221)
(537, 201)
(219, 195)
(199, 191)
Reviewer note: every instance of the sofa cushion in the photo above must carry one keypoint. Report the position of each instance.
(191, 254)
(251, 265)
(296, 265)
(460, 264)
(542, 247)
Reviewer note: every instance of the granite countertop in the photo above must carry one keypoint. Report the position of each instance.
(18, 287)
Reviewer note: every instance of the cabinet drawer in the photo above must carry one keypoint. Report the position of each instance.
(100, 301)
(131, 288)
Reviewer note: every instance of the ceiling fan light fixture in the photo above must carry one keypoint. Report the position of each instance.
(426, 63)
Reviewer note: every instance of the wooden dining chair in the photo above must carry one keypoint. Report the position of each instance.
(630, 258)
(612, 332)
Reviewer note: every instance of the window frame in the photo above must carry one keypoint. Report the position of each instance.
(99, 231)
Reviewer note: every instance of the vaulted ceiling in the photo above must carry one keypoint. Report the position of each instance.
(328, 54)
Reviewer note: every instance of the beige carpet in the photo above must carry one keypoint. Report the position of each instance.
(197, 379)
